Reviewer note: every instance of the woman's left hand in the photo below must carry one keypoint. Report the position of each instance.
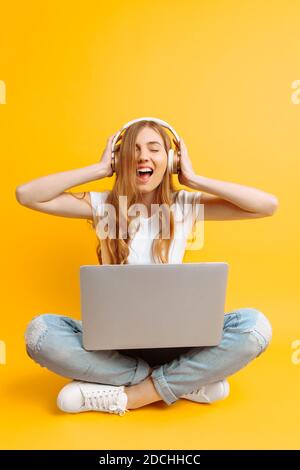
(186, 168)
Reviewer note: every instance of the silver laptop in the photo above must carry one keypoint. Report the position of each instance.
(152, 305)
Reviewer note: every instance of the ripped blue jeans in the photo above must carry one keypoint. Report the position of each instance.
(55, 342)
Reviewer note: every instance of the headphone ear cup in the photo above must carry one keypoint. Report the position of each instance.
(114, 162)
(177, 161)
(170, 161)
(173, 162)
(115, 156)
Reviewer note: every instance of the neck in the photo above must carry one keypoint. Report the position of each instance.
(147, 199)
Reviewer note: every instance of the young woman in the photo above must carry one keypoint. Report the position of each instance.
(117, 381)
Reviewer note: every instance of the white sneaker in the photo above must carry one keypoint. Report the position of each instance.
(209, 393)
(84, 396)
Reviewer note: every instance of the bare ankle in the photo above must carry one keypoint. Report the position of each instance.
(141, 394)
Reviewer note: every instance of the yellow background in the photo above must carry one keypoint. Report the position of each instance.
(221, 73)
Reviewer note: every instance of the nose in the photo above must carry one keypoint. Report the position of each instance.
(143, 158)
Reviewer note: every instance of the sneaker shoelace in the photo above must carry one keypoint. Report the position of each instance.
(200, 392)
(103, 400)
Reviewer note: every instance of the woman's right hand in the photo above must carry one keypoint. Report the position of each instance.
(105, 160)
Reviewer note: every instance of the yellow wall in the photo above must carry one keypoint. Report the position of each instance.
(220, 72)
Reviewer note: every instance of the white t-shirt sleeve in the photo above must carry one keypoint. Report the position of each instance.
(98, 198)
(186, 199)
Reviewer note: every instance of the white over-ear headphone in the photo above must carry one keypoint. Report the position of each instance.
(173, 155)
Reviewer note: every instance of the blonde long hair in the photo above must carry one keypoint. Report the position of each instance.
(117, 248)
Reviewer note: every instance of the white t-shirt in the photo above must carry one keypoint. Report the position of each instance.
(140, 248)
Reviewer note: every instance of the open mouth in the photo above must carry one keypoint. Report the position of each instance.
(144, 174)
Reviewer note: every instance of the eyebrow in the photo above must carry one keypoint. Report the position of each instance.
(153, 142)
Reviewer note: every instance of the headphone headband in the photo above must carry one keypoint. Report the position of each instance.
(158, 121)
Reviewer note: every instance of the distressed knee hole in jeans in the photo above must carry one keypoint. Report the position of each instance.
(35, 333)
(262, 331)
